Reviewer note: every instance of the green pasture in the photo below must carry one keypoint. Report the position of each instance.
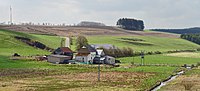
(161, 59)
(144, 43)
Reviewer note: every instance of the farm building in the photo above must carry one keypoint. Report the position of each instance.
(86, 54)
(100, 53)
(66, 51)
(105, 46)
(57, 59)
(61, 55)
(104, 60)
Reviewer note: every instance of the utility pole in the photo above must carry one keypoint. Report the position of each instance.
(133, 62)
(99, 71)
(142, 58)
(11, 23)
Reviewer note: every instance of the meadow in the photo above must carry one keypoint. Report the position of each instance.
(41, 75)
(188, 82)
(163, 59)
(9, 45)
(144, 43)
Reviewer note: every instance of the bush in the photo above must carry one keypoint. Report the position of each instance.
(158, 52)
(124, 52)
(149, 53)
(192, 66)
(198, 64)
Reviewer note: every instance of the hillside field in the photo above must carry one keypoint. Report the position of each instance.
(41, 75)
(144, 43)
(163, 59)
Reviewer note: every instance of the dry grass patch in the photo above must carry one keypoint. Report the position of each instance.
(184, 83)
(185, 54)
(79, 81)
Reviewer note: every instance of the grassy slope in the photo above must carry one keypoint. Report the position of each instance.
(9, 45)
(50, 41)
(149, 44)
(162, 59)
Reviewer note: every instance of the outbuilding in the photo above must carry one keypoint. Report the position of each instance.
(59, 59)
(65, 51)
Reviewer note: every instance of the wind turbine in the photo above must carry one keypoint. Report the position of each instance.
(11, 23)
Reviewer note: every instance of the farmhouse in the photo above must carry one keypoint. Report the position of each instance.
(61, 55)
(86, 54)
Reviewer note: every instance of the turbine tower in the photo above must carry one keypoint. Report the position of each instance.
(11, 23)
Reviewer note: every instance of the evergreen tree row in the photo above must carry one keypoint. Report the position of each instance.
(130, 24)
(192, 37)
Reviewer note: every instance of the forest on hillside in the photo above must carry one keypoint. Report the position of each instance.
(192, 37)
(180, 31)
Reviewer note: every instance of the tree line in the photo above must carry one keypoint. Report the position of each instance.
(180, 31)
(192, 37)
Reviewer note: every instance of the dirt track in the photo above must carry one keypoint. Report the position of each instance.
(88, 31)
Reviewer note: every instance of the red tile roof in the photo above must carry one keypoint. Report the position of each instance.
(82, 54)
(66, 49)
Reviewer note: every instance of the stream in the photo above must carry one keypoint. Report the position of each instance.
(169, 80)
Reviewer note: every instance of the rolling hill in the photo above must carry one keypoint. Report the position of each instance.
(84, 30)
(41, 75)
(9, 45)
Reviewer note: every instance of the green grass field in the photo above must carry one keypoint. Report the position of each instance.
(162, 59)
(9, 45)
(145, 43)
(49, 40)
(35, 75)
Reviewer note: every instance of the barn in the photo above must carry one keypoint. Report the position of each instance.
(61, 55)
(58, 59)
(66, 51)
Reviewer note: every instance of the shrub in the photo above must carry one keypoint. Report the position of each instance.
(158, 52)
(198, 64)
(149, 53)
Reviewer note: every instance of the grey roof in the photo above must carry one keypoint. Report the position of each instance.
(87, 49)
(90, 48)
(105, 46)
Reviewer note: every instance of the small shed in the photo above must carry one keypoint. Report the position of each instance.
(57, 59)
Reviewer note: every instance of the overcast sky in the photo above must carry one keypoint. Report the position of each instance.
(155, 13)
